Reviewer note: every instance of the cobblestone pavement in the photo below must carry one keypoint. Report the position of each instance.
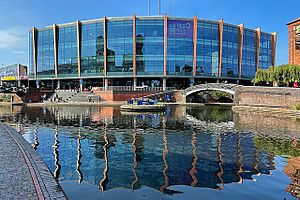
(23, 174)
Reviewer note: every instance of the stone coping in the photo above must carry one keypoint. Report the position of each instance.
(45, 185)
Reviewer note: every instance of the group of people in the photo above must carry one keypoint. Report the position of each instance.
(55, 98)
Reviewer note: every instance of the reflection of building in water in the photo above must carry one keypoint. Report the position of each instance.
(104, 180)
(164, 156)
(56, 156)
(79, 158)
(134, 156)
(293, 171)
(155, 154)
(193, 170)
(36, 139)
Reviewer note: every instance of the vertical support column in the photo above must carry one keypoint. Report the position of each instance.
(78, 24)
(241, 43)
(105, 53)
(55, 50)
(106, 84)
(221, 25)
(274, 44)
(18, 76)
(195, 45)
(258, 32)
(134, 84)
(164, 84)
(58, 84)
(34, 44)
(134, 52)
(165, 44)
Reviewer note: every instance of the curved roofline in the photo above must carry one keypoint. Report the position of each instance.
(147, 17)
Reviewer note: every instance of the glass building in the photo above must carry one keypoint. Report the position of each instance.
(154, 51)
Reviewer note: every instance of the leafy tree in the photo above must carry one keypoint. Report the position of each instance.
(281, 74)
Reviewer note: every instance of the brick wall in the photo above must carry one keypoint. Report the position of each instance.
(267, 96)
(105, 95)
(294, 55)
(121, 96)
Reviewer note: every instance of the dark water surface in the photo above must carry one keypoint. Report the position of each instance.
(184, 153)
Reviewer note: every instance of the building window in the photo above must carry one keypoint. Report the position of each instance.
(67, 52)
(207, 49)
(150, 47)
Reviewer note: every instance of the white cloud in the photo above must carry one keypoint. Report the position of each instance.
(13, 38)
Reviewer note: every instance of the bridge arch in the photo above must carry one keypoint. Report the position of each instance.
(226, 88)
(232, 92)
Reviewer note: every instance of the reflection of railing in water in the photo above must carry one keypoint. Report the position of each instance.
(240, 159)
(79, 158)
(36, 139)
(220, 162)
(104, 180)
(193, 171)
(165, 152)
(56, 155)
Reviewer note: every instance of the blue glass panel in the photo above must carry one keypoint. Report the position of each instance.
(207, 49)
(120, 48)
(45, 54)
(150, 47)
(92, 49)
(67, 52)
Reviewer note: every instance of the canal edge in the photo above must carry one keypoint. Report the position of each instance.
(46, 187)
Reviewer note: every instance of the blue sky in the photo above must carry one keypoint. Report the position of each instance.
(18, 16)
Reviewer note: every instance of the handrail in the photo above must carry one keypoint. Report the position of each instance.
(130, 88)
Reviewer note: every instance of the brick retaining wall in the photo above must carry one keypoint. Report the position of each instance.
(267, 96)
(121, 95)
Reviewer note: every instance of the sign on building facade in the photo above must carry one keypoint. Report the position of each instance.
(180, 29)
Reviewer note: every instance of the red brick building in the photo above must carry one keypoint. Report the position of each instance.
(294, 41)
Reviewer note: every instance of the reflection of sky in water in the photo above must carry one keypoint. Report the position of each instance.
(152, 152)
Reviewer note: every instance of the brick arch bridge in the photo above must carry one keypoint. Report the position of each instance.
(181, 95)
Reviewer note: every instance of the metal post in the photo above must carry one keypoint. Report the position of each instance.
(164, 84)
(148, 7)
(134, 84)
(159, 7)
(106, 84)
(58, 84)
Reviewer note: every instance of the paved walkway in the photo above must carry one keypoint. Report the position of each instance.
(23, 174)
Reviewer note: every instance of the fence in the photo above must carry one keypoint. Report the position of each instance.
(131, 88)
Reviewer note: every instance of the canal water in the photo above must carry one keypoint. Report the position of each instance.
(185, 153)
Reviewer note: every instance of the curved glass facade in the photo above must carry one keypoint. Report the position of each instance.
(67, 52)
(248, 54)
(119, 48)
(180, 47)
(230, 51)
(149, 47)
(45, 54)
(176, 46)
(92, 49)
(207, 49)
(265, 51)
(30, 59)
